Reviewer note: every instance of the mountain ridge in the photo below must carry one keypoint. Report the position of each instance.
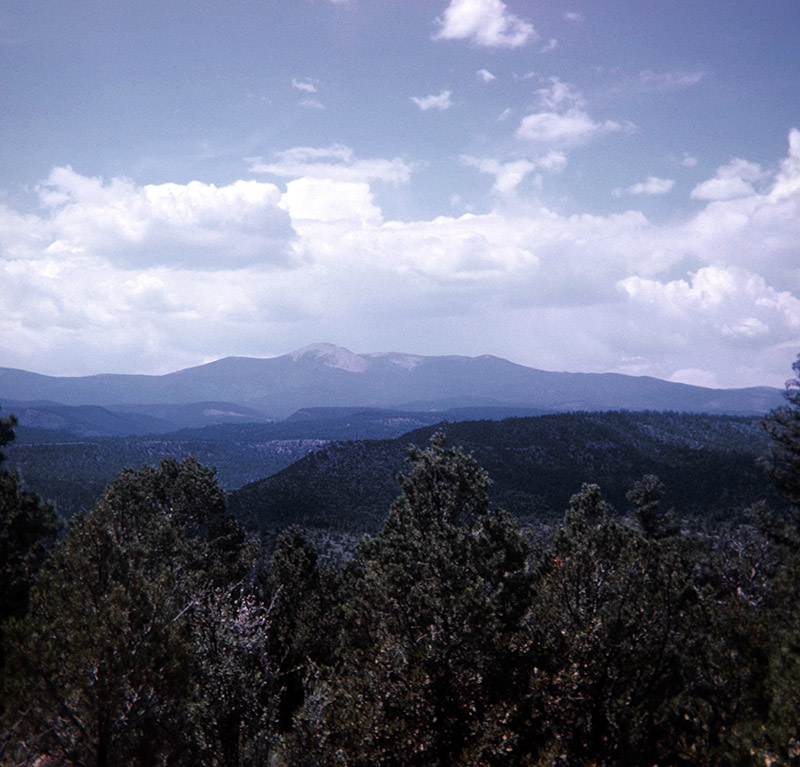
(325, 375)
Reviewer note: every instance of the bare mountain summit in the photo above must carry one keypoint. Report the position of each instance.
(324, 375)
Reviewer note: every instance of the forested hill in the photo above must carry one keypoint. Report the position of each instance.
(708, 464)
(70, 468)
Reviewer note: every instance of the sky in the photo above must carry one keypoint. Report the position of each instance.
(584, 186)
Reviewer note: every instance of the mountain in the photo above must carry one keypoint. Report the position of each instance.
(323, 375)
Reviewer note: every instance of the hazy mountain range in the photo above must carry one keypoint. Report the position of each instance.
(245, 389)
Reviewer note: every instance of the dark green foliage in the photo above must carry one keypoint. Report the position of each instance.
(28, 527)
(707, 464)
(114, 662)
(644, 673)
(425, 676)
(6, 433)
(646, 496)
(305, 611)
(453, 636)
(783, 427)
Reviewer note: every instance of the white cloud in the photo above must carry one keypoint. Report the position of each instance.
(321, 199)
(787, 182)
(508, 176)
(651, 186)
(689, 161)
(487, 23)
(553, 161)
(304, 85)
(336, 162)
(549, 46)
(186, 225)
(572, 16)
(559, 95)
(730, 301)
(311, 104)
(563, 120)
(570, 128)
(440, 102)
(112, 275)
(732, 180)
(485, 75)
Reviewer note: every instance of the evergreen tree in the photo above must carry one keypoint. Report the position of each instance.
(783, 427)
(106, 667)
(28, 526)
(428, 674)
(658, 662)
(646, 496)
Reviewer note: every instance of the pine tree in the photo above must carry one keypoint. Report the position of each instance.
(28, 527)
(427, 672)
(783, 427)
(106, 667)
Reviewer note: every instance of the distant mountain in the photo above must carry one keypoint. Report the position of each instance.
(324, 375)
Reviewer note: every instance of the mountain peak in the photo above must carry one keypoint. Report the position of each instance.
(332, 356)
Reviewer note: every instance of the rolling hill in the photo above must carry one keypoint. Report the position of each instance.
(708, 464)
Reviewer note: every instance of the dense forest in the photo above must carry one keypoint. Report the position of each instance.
(707, 463)
(147, 633)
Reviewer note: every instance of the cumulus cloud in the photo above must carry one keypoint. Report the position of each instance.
(563, 120)
(572, 16)
(440, 102)
(186, 225)
(570, 128)
(336, 162)
(732, 180)
(549, 46)
(559, 95)
(787, 182)
(486, 23)
(651, 186)
(485, 75)
(322, 199)
(735, 303)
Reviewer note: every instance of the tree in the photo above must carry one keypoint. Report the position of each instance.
(646, 496)
(427, 672)
(28, 527)
(783, 427)
(106, 666)
(656, 659)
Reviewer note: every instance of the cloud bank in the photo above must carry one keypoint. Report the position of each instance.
(145, 277)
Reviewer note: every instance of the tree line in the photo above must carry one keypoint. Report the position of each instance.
(146, 634)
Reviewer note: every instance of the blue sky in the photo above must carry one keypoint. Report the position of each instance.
(573, 186)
